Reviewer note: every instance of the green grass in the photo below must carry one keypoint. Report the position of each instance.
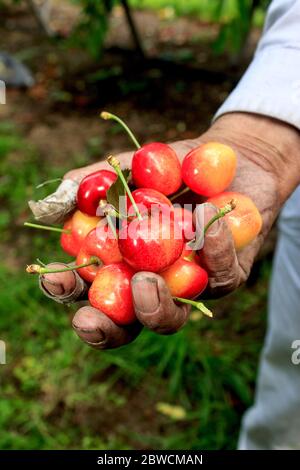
(206, 10)
(182, 391)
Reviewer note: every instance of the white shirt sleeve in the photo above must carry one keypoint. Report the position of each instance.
(271, 84)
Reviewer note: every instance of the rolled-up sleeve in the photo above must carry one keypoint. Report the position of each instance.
(271, 84)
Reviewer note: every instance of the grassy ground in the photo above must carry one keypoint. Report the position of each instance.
(183, 391)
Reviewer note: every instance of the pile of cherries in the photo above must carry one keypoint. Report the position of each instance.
(126, 223)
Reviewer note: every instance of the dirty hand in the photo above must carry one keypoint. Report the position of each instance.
(268, 172)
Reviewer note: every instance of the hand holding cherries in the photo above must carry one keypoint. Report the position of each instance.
(118, 231)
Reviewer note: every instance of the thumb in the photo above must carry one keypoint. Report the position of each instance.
(218, 255)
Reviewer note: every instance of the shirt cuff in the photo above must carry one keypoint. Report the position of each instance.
(270, 86)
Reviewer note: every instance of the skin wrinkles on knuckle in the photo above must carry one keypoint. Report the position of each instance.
(165, 320)
(225, 280)
(222, 264)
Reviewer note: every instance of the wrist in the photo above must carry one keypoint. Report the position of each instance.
(272, 145)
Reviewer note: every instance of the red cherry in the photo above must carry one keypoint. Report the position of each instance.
(156, 166)
(209, 169)
(111, 293)
(80, 225)
(186, 278)
(145, 199)
(151, 244)
(100, 242)
(92, 189)
(184, 218)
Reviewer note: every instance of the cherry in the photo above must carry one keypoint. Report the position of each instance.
(244, 221)
(78, 225)
(67, 241)
(154, 165)
(74, 231)
(92, 189)
(184, 219)
(151, 244)
(186, 278)
(102, 243)
(145, 199)
(111, 293)
(209, 169)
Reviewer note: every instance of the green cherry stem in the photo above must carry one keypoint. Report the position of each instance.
(37, 269)
(180, 193)
(55, 180)
(109, 116)
(47, 227)
(194, 303)
(114, 162)
(221, 213)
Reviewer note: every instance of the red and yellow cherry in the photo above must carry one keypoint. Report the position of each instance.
(111, 293)
(184, 219)
(245, 221)
(209, 169)
(79, 225)
(92, 189)
(67, 241)
(151, 244)
(186, 278)
(156, 166)
(101, 243)
(145, 199)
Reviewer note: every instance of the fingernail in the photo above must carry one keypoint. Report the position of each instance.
(90, 336)
(145, 294)
(205, 212)
(54, 288)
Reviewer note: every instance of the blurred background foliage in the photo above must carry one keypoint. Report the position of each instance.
(235, 18)
(186, 391)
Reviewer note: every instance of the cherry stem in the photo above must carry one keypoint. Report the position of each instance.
(37, 269)
(198, 305)
(55, 180)
(107, 116)
(114, 162)
(221, 213)
(111, 225)
(47, 227)
(108, 209)
(183, 191)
